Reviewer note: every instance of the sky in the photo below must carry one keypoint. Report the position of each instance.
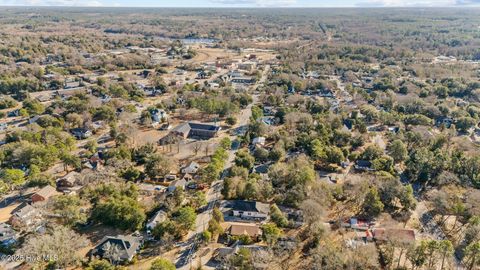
(245, 3)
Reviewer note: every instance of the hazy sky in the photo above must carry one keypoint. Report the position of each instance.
(245, 3)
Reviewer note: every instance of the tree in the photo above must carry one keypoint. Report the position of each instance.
(277, 216)
(417, 255)
(162, 264)
(217, 214)
(231, 120)
(244, 159)
(242, 260)
(121, 212)
(61, 244)
(68, 208)
(257, 113)
(158, 165)
(446, 251)
(111, 251)
(142, 153)
(185, 218)
(33, 107)
(371, 152)
(214, 227)
(12, 177)
(206, 236)
(199, 199)
(270, 233)
(398, 151)
(463, 124)
(131, 174)
(101, 265)
(70, 160)
(472, 256)
(372, 206)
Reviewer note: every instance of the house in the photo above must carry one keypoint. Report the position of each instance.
(269, 110)
(244, 80)
(191, 130)
(444, 121)
(248, 209)
(127, 247)
(8, 236)
(43, 194)
(248, 65)
(192, 168)
(406, 236)
(159, 115)
(176, 184)
(259, 141)
(268, 120)
(363, 165)
(81, 133)
(358, 224)
(202, 75)
(71, 84)
(149, 189)
(68, 181)
(158, 218)
(249, 229)
(25, 218)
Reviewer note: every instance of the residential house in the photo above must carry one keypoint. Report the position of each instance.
(149, 189)
(44, 194)
(192, 168)
(244, 80)
(158, 218)
(71, 84)
(159, 115)
(444, 121)
(67, 182)
(26, 217)
(8, 236)
(248, 209)
(248, 65)
(191, 130)
(358, 224)
(258, 141)
(181, 183)
(127, 247)
(363, 165)
(81, 133)
(250, 229)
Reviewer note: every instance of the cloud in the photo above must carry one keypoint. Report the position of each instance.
(417, 3)
(71, 3)
(258, 3)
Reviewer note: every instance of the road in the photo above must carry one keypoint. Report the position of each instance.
(187, 253)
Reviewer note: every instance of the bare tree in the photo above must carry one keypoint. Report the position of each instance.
(59, 245)
(111, 252)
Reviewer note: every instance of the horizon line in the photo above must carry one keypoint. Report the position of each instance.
(249, 7)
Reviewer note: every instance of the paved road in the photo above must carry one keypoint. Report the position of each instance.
(188, 252)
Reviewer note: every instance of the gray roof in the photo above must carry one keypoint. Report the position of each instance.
(182, 128)
(128, 245)
(25, 211)
(250, 206)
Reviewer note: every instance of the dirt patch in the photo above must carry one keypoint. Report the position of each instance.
(6, 212)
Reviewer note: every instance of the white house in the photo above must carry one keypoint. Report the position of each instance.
(175, 184)
(158, 218)
(192, 168)
(249, 209)
(259, 141)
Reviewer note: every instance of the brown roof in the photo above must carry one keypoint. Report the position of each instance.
(400, 235)
(251, 230)
(46, 192)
